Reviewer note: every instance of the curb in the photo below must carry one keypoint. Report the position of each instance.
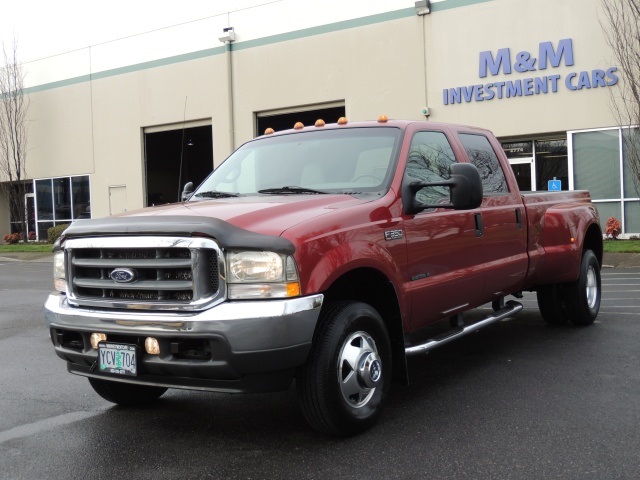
(36, 257)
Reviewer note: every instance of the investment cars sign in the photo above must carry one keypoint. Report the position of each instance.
(548, 58)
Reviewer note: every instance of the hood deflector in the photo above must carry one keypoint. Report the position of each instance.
(227, 236)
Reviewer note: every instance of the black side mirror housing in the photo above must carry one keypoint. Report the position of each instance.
(464, 184)
(186, 191)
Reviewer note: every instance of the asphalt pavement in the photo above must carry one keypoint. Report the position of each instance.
(518, 400)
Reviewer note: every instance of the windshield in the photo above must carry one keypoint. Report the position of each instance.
(354, 160)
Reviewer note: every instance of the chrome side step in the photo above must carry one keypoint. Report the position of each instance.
(510, 308)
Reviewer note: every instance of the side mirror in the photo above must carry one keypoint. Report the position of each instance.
(186, 191)
(464, 184)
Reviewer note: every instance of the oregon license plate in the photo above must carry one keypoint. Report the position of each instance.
(117, 358)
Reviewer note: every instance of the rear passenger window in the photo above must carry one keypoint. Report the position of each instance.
(429, 160)
(484, 158)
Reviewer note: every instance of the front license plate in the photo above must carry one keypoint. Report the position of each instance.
(117, 358)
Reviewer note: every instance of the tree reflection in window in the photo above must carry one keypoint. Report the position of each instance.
(430, 159)
(484, 158)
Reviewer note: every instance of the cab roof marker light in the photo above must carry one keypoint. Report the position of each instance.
(269, 131)
(298, 126)
(320, 123)
(342, 121)
(383, 119)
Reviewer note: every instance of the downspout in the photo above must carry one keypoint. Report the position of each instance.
(228, 37)
(423, 8)
(230, 95)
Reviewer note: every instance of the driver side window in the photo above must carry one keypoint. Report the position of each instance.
(430, 159)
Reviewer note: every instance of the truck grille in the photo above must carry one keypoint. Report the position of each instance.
(156, 273)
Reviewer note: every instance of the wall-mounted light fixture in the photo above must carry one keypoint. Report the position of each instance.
(423, 7)
(228, 35)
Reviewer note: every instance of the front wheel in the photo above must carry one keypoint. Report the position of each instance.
(126, 394)
(345, 381)
(582, 297)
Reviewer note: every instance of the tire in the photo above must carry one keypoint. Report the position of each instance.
(345, 381)
(126, 394)
(551, 304)
(582, 297)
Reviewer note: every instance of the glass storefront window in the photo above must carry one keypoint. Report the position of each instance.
(42, 230)
(535, 162)
(608, 209)
(61, 200)
(522, 172)
(631, 156)
(81, 201)
(44, 199)
(632, 217)
(551, 163)
(516, 150)
(596, 163)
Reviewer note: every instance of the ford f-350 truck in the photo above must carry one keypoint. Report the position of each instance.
(325, 254)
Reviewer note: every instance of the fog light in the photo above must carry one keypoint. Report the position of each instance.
(97, 338)
(152, 346)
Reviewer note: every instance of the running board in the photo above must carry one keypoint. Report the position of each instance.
(510, 308)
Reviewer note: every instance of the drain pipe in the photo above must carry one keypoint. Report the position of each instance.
(228, 37)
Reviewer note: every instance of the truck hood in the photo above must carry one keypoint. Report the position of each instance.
(270, 215)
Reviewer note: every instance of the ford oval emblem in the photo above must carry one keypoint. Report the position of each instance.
(123, 275)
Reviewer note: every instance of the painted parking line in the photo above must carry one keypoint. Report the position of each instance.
(40, 426)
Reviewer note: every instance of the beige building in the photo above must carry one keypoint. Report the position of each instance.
(124, 125)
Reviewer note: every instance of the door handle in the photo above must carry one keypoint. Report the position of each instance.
(479, 226)
(519, 218)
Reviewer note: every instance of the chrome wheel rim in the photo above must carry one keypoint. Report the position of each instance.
(359, 369)
(592, 287)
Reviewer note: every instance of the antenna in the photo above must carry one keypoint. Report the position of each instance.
(184, 120)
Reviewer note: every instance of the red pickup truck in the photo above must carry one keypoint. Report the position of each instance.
(325, 254)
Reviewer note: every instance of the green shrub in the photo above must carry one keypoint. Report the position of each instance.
(54, 232)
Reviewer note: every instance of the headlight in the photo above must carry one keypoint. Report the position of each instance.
(59, 277)
(253, 275)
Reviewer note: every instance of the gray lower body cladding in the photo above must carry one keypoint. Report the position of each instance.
(248, 346)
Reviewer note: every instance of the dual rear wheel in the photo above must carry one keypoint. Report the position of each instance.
(577, 302)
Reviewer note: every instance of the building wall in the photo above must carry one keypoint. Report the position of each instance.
(455, 38)
(369, 69)
(124, 105)
(90, 108)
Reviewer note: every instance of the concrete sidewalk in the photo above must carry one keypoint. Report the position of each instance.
(611, 260)
(621, 260)
(26, 257)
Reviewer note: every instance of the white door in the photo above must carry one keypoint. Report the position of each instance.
(117, 199)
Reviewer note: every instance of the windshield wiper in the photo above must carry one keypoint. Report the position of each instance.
(215, 194)
(290, 190)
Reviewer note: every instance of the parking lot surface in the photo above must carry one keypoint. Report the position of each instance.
(518, 400)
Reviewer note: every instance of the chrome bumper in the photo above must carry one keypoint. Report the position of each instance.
(250, 340)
